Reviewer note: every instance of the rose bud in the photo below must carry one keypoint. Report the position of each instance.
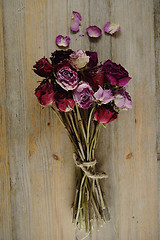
(79, 59)
(83, 95)
(105, 114)
(63, 100)
(60, 55)
(67, 78)
(95, 77)
(115, 74)
(103, 96)
(122, 99)
(45, 93)
(93, 59)
(43, 67)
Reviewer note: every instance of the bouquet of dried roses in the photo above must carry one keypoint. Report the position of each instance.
(84, 96)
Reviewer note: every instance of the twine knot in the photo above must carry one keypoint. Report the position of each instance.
(85, 165)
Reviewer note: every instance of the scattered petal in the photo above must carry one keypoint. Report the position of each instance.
(75, 21)
(81, 34)
(111, 28)
(62, 41)
(94, 31)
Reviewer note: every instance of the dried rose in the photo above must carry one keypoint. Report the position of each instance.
(111, 28)
(105, 114)
(45, 93)
(95, 77)
(94, 31)
(122, 99)
(63, 99)
(60, 55)
(75, 21)
(67, 78)
(103, 96)
(93, 59)
(62, 41)
(115, 74)
(83, 95)
(43, 68)
(79, 59)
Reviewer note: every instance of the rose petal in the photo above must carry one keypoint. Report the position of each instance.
(62, 41)
(123, 81)
(94, 31)
(111, 28)
(104, 96)
(75, 21)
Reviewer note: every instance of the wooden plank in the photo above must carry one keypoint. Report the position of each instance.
(134, 162)
(41, 165)
(157, 62)
(157, 73)
(5, 197)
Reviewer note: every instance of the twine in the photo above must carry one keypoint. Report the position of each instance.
(85, 165)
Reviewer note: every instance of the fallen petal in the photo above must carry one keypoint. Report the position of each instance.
(94, 31)
(75, 21)
(111, 28)
(62, 41)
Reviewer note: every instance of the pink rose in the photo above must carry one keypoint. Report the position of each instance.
(83, 95)
(79, 59)
(67, 78)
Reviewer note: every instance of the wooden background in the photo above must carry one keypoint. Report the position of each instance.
(37, 173)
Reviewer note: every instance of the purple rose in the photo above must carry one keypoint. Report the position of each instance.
(60, 55)
(43, 68)
(115, 74)
(105, 114)
(67, 78)
(45, 93)
(83, 95)
(122, 99)
(93, 59)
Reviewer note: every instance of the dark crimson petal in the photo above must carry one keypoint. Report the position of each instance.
(105, 114)
(93, 60)
(60, 55)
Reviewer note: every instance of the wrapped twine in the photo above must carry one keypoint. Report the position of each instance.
(84, 166)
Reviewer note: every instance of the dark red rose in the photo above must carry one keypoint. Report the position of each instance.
(60, 55)
(115, 74)
(64, 63)
(45, 93)
(93, 59)
(95, 77)
(63, 99)
(105, 114)
(43, 67)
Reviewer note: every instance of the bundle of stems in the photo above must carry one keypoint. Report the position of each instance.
(83, 132)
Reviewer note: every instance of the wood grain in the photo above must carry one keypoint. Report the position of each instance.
(42, 171)
(5, 194)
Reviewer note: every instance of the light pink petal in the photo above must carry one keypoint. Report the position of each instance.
(75, 21)
(62, 41)
(111, 28)
(119, 101)
(104, 96)
(81, 34)
(94, 31)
